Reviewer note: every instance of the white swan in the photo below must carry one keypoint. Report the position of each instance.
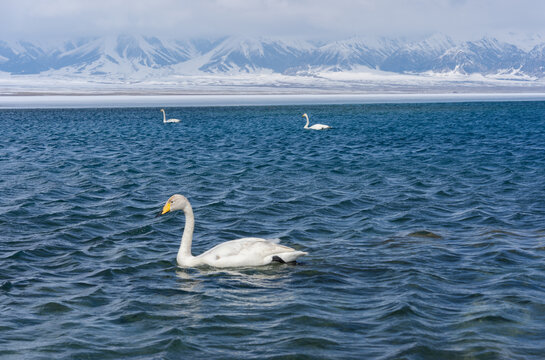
(240, 252)
(315, 126)
(169, 120)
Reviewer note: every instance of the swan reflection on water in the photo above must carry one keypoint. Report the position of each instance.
(264, 277)
(239, 287)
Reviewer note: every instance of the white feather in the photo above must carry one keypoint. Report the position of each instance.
(234, 253)
(315, 126)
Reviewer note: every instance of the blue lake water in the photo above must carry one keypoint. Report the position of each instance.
(424, 224)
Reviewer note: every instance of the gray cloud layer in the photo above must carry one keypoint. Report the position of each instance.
(37, 19)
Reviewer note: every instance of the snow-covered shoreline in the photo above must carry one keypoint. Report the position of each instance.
(348, 82)
(107, 101)
(362, 85)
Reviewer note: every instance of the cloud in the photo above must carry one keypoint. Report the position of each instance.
(38, 19)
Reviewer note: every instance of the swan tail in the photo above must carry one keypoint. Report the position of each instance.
(277, 258)
(287, 257)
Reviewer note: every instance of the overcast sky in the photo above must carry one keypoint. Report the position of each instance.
(310, 19)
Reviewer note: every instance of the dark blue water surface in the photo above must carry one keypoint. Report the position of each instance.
(424, 224)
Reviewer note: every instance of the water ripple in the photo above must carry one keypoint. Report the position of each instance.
(424, 225)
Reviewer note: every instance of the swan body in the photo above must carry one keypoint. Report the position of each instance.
(315, 126)
(241, 252)
(165, 120)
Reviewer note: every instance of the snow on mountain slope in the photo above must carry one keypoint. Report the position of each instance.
(418, 56)
(534, 62)
(351, 53)
(130, 59)
(485, 56)
(240, 54)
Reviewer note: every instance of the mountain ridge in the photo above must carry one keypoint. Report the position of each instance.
(123, 55)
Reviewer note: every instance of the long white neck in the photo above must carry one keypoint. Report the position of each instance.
(164, 116)
(184, 253)
(306, 126)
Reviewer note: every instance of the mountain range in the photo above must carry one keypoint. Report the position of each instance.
(141, 58)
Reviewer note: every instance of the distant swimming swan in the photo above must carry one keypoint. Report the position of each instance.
(315, 126)
(240, 252)
(169, 120)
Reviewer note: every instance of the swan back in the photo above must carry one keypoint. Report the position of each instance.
(247, 252)
(319, 127)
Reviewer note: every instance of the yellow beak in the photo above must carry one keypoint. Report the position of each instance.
(166, 208)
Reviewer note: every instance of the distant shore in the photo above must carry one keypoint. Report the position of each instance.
(109, 99)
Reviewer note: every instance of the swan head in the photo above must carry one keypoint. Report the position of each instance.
(163, 110)
(305, 115)
(175, 202)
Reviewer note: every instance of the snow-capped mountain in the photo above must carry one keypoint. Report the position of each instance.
(354, 52)
(534, 61)
(249, 55)
(485, 56)
(139, 58)
(97, 56)
(418, 56)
